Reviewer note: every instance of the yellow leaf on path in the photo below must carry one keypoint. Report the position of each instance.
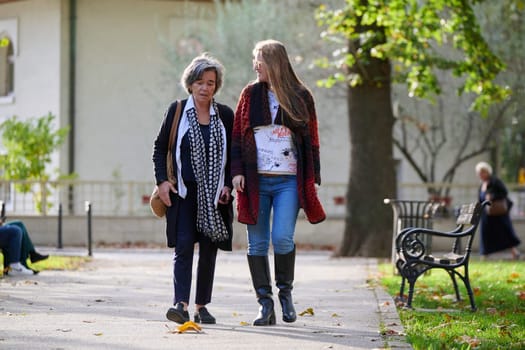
(189, 326)
(244, 323)
(308, 311)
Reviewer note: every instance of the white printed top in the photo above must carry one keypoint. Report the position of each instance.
(276, 153)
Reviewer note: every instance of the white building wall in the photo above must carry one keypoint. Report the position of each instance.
(122, 90)
(37, 63)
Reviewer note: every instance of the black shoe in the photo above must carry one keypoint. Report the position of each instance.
(35, 256)
(203, 316)
(177, 314)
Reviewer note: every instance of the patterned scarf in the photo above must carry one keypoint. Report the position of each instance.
(207, 170)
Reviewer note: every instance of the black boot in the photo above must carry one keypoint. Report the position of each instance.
(34, 256)
(284, 275)
(260, 271)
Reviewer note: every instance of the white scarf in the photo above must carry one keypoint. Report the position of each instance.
(183, 129)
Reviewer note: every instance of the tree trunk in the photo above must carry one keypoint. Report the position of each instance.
(368, 223)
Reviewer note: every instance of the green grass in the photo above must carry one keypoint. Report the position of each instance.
(55, 262)
(439, 322)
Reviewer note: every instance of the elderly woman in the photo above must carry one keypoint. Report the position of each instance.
(497, 232)
(200, 201)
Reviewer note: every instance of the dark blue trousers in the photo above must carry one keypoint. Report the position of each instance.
(187, 236)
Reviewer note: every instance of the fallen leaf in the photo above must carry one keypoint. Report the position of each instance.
(473, 342)
(389, 332)
(335, 315)
(492, 310)
(189, 326)
(98, 334)
(308, 311)
(521, 294)
(244, 323)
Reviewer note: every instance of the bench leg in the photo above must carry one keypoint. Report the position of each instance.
(410, 293)
(466, 280)
(402, 289)
(455, 283)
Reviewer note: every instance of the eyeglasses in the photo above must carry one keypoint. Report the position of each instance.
(256, 63)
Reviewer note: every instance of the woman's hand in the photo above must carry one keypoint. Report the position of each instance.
(238, 183)
(225, 195)
(164, 192)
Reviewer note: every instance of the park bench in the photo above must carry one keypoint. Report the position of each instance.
(411, 213)
(413, 258)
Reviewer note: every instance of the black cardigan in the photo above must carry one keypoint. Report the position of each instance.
(160, 150)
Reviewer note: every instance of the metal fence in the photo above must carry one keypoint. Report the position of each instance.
(131, 198)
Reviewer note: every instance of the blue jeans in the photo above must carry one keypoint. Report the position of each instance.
(10, 242)
(279, 193)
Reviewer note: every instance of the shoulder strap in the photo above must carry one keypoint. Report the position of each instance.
(173, 135)
(176, 119)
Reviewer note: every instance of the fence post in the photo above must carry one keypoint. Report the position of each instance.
(88, 211)
(59, 242)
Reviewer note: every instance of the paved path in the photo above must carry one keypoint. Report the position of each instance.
(119, 301)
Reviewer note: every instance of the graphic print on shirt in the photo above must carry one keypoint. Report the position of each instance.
(276, 153)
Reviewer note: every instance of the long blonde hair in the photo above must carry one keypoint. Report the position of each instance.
(288, 88)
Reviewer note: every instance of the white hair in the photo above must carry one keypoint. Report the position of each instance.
(483, 166)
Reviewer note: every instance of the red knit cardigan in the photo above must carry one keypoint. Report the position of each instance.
(252, 111)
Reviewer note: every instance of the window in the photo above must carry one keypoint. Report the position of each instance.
(8, 53)
(6, 66)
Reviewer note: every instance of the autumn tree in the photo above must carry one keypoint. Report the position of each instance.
(503, 24)
(437, 138)
(387, 41)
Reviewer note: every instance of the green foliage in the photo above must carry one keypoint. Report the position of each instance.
(499, 323)
(4, 41)
(420, 39)
(29, 145)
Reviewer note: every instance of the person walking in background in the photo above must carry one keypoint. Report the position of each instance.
(275, 167)
(11, 245)
(497, 231)
(200, 203)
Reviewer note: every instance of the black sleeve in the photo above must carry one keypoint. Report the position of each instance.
(226, 115)
(497, 189)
